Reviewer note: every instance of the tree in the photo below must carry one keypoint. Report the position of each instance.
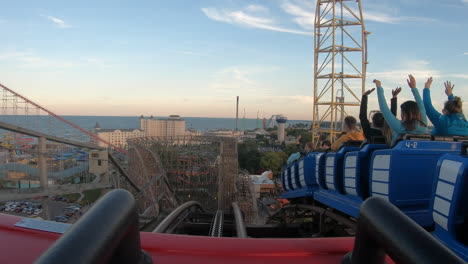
(273, 161)
(249, 156)
(290, 149)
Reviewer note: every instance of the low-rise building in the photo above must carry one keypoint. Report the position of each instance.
(224, 133)
(118, 137)
(163, 127)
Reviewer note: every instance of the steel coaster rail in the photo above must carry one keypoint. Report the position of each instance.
(105, 234)
(240, 226)
(164, 226)
(216, 229)
(383, 229)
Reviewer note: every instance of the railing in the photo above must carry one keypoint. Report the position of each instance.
(107, 233)
(240, 227)
(176, 216)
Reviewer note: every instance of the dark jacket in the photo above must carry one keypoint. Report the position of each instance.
(301, 150)
(370, 132)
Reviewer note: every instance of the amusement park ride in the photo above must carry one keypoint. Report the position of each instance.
(363, 204)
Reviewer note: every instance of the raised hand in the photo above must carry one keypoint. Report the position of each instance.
(377, 83)
(411, 81)
(369, 91)
(449, 88)
(396, 92)
(298, 139)
(428, 83)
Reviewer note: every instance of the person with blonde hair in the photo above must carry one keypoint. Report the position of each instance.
(350, 133)
(451, 122)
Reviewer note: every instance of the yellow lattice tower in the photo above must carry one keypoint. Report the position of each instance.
(339, 64)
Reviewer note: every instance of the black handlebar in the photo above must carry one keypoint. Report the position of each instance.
(107, 233)
(383, 229)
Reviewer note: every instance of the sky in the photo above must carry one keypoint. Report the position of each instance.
(192, 58)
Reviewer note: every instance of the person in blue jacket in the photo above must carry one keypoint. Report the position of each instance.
(413, 114)
(452, 122)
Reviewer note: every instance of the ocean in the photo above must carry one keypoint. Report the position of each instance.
(199, 123)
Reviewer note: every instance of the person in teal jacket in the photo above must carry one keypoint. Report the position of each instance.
(413, 114)
(452, 122)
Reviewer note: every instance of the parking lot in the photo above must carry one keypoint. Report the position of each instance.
(60, 209)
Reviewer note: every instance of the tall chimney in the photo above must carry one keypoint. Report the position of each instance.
(237, 113)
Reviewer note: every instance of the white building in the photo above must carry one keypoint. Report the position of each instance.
(117, 137)
(149, 127)
(158, 127)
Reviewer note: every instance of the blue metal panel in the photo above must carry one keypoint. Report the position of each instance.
(334, 168)
(356, 171)
(295, 176)
(449, 202)
(405, 174)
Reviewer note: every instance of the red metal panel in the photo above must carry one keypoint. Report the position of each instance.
(21, 245)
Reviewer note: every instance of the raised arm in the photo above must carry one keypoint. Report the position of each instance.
(431, 111)
(363, 114)
(394, 123)
(394, 100)
(449, 90)
(412, 84)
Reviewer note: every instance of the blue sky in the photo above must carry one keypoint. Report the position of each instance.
(193, 57)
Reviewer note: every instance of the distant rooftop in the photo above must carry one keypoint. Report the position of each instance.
(121, 129)
(171, 117)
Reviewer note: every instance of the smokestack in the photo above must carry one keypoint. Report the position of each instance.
(237, 113)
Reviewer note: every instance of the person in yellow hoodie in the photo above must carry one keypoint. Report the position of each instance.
(351, 133)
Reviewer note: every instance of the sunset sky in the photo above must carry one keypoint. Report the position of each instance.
(192, 58)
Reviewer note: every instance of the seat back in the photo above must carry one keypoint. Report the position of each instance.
(319, 170)
(356, 170)
(308, 170)
(449, 203)
(295, 176)
(284, 180)
(405, 175)
(334, 168)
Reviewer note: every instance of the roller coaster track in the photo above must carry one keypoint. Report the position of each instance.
(60, 118)
(215, 221)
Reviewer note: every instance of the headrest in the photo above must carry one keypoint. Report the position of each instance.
(377, 140)
(352, 143)
(416, 137)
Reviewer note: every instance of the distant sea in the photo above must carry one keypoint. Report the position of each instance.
(199, 123)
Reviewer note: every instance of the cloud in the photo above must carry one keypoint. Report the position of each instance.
(29, 60)
(381, 15)
(237, 80)
(256, 8)
(465, 1)
(419, 68)
(466, 53)
(304, 18)
(462, 76)
(242, 18)
(58, 22)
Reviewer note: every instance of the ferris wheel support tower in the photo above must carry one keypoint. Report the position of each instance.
(340, 59)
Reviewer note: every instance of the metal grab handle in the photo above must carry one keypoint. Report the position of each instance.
(107, 233)
(383, 229)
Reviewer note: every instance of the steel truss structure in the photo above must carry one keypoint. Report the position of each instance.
(339, 64)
